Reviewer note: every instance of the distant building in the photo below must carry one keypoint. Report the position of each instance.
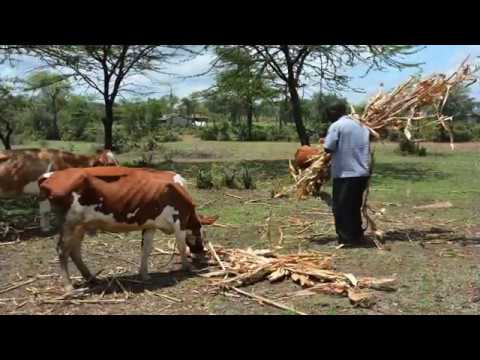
(183, 121)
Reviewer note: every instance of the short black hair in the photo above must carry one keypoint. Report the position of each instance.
(336, 110)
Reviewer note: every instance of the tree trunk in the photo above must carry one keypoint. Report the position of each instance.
(249, 119)
(108, 125)
(6, 138)
(297, 113)
(55, 135)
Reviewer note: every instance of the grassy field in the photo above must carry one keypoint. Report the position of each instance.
(434, 253)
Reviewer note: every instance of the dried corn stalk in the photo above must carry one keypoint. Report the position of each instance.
(400, 109)
(312, 270)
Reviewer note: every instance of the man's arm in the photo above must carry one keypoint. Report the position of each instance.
(331, 140)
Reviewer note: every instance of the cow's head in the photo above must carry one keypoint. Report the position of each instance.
(196, 236)
(105, 158)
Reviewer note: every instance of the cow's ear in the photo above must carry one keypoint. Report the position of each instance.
(207, 220)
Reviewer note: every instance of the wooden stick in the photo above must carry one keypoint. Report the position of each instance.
(168, 297)
(305, 229)
(73, 301)
(224, 226)
(261, 299)
(10, 243)
(233, 196)
(252, 201)
(119, 283)
(13, 287)
(214, 253)
(280, 241)
(206, 204)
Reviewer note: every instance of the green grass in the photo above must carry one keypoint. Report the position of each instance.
(433, 279)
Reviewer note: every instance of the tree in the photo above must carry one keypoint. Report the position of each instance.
(460, 104)
(106, 68)
(240, 76)
(188, 106)
(296, 66)
(10, 105)
(54, 89)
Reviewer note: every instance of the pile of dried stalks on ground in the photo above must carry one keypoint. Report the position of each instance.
(314, 271)
(404, 108)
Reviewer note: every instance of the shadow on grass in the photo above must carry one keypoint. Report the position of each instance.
(133, 283)
(405, 171)
(262, 169)
(410, 234)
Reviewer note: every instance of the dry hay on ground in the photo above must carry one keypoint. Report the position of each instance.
(314, 271)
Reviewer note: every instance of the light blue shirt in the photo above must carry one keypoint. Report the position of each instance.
(349, 142)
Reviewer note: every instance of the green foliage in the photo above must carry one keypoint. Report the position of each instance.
(247, 179)
(204, 179)
(407, 147)
(230, 178)
(219, 132)
(217, 176)
(315, 111)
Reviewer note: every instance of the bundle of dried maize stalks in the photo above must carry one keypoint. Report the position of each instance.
(313, 271)
(413, 102)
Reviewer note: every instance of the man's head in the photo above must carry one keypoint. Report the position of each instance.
(335, 111)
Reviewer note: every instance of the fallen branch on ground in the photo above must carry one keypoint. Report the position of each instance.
(16, 286)
(233, 196)
(264, 300)
(313, 271)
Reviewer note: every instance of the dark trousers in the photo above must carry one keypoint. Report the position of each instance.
(347, 200)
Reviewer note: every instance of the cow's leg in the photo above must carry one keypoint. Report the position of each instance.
(147, 245)
(180, 237)
(76, 254)
(64, 247)
(44, 215)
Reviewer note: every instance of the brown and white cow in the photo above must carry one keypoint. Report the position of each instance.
(122, 200)
(303, 156)
(21, 169)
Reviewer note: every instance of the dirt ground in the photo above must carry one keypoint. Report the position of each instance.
(434, 254)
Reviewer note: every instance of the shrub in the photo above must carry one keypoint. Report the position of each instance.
(247, 179)
(167, 135)
(407, 147)
(230, 178)
(394, 135)
(209, 133)
(422, 151)
(204, 179)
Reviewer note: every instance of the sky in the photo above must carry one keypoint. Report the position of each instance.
(435, 58)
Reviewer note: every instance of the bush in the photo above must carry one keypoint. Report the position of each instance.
(394, 135)
(204, 179)
(247, 179)
(220, 132)
(422, 151)
(209, 133)
(407, 147)
(229, 178)
(167, 136)
(461, 133)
